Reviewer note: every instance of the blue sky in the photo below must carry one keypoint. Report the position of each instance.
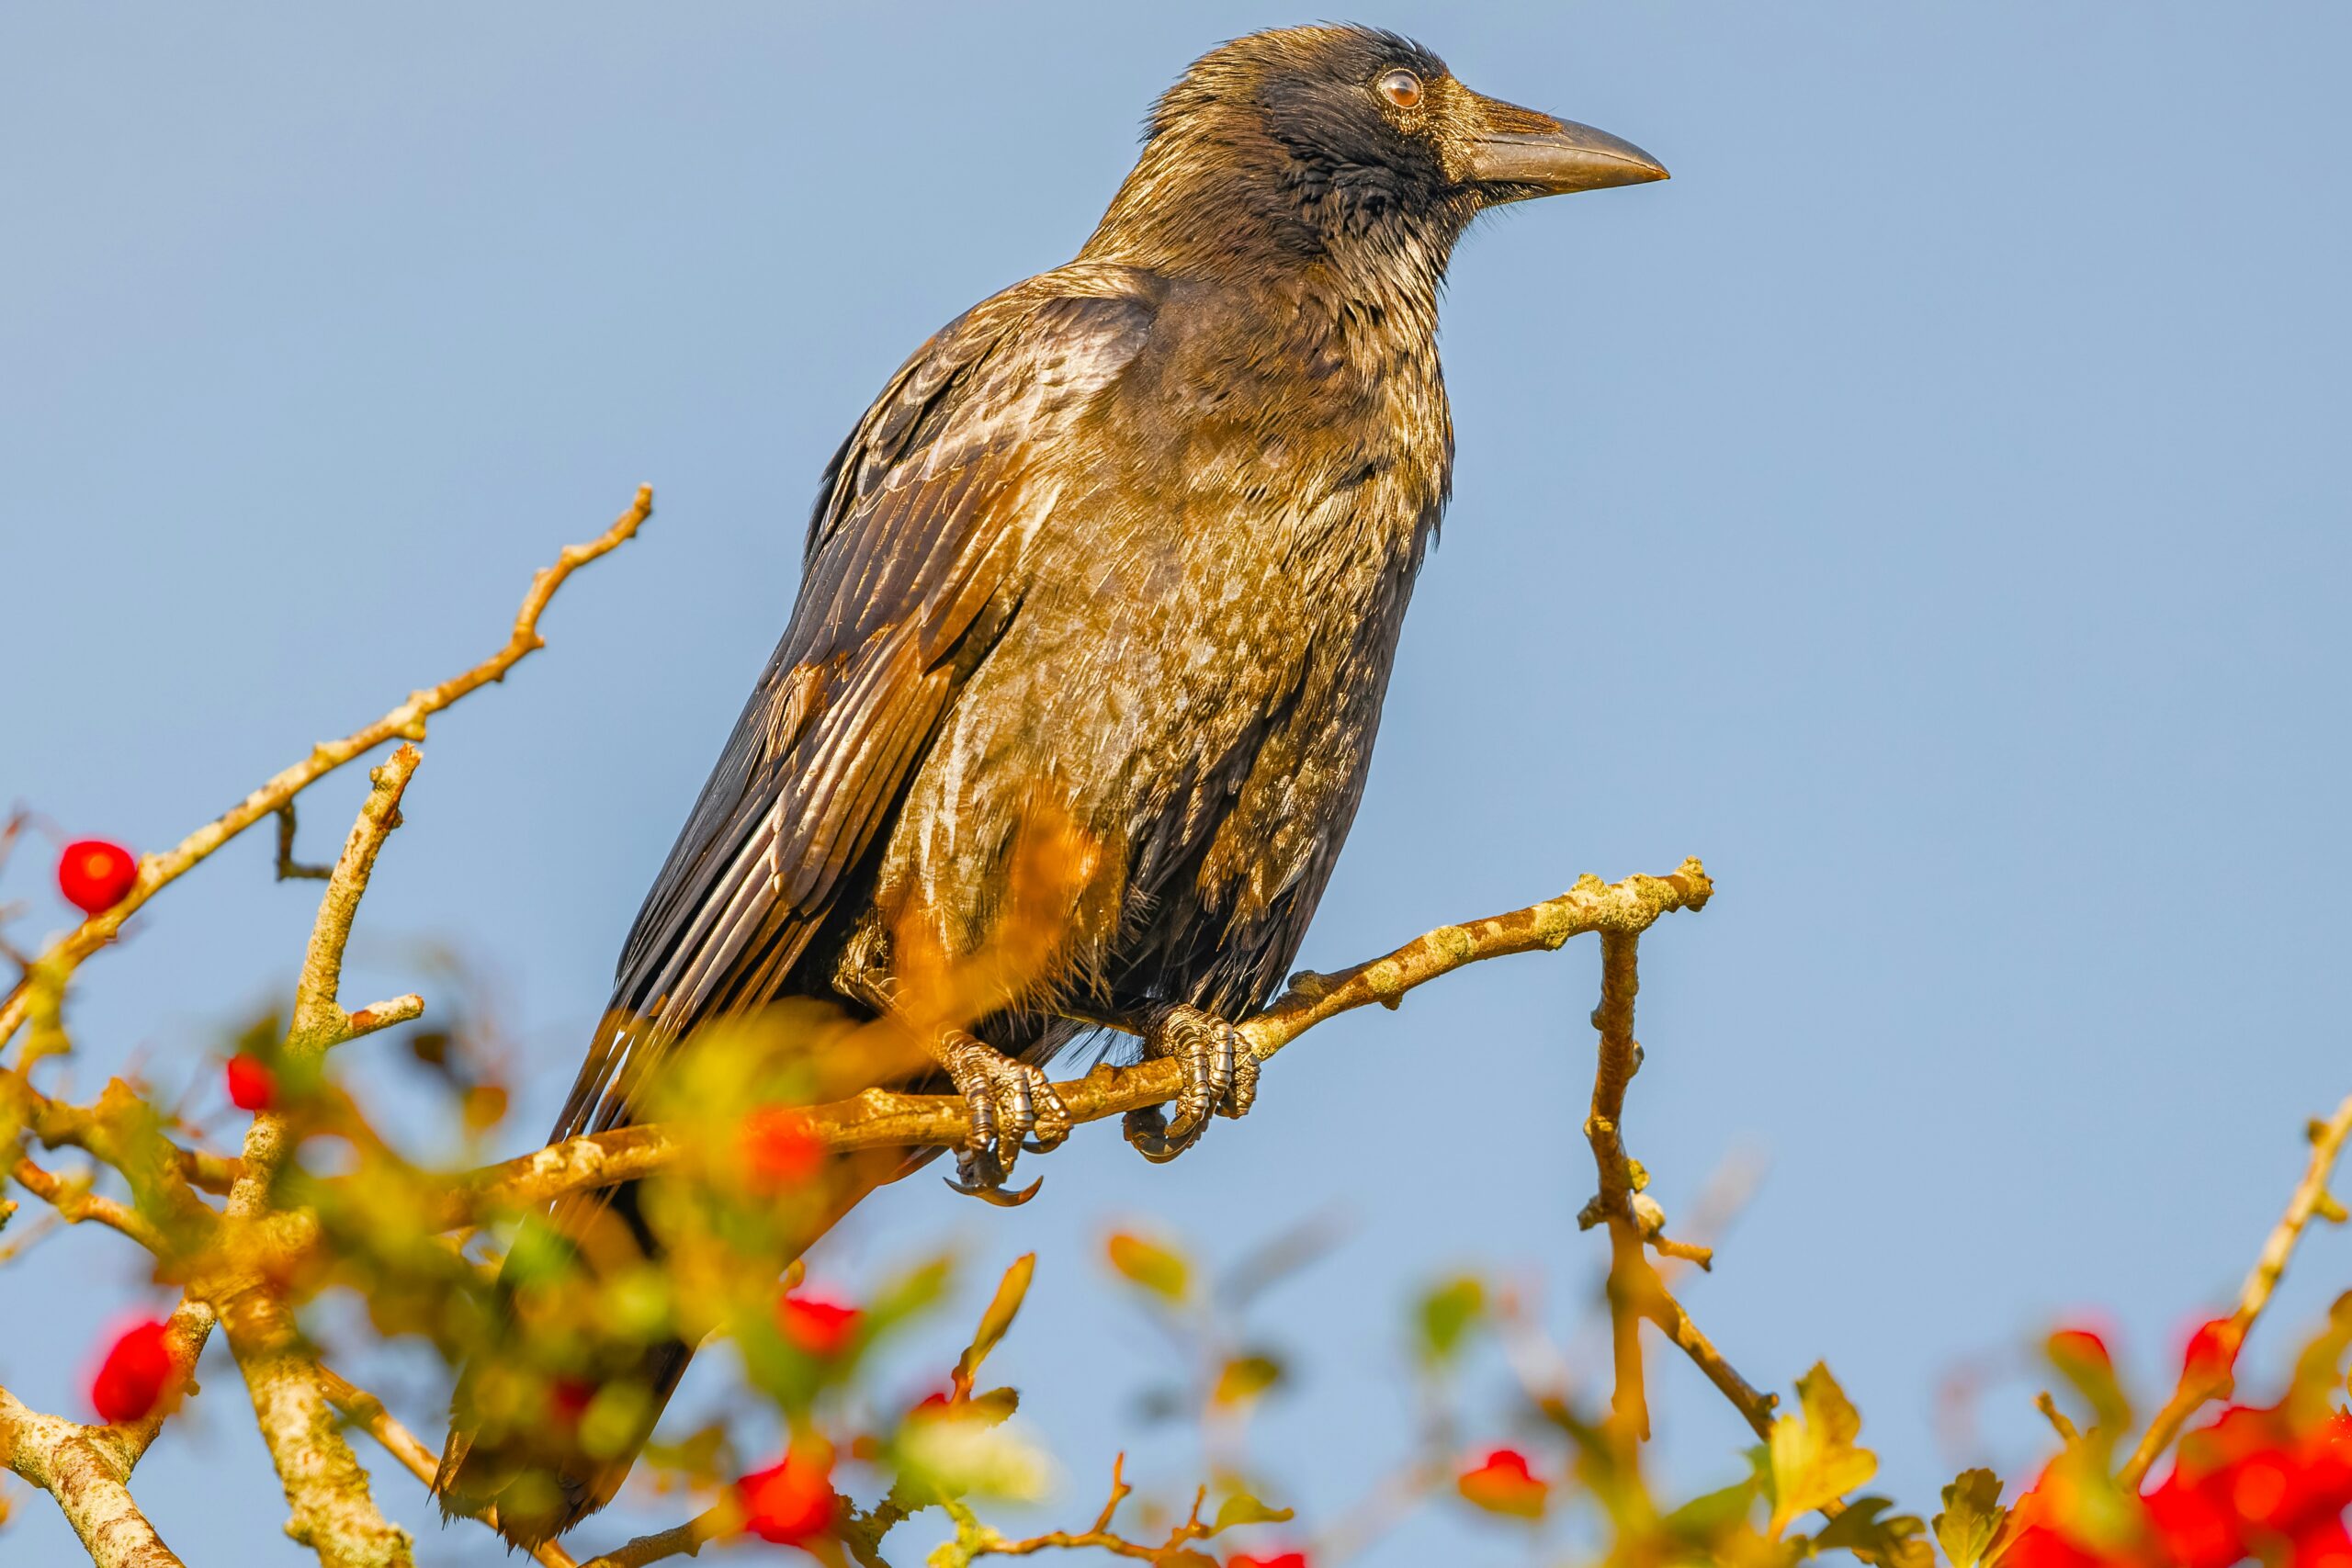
(1929, 508)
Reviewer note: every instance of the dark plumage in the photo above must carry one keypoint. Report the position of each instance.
(1131, 540)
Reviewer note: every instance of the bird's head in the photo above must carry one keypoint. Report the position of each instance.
(1341, 143)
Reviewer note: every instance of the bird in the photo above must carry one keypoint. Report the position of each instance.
(1132, 540)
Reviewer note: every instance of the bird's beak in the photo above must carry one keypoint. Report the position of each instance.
(1520, 154)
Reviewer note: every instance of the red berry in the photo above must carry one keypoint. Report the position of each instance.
(569, 1398)
(1287, 1559)
(792, 1500)
(780, 1149)
(252, 1086)
(94, 874)
(815, 1327)
(1504, 1485)
(138, 1368)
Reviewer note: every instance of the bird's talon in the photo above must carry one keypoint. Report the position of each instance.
(996, 1194)
(1009, 1100)
(1221, 1078)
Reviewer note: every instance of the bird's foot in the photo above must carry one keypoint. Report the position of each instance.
(1013, 1104)
(1221, 1078)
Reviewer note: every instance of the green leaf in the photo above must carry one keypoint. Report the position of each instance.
(1972, 1518)
(2082, 1361)
(1865, 1528)
(1004, 1307)
(1243, 1510)
(1244, 1378)
(1814, 1457)
(1447, 1313)
(1160, 1269)
(1709, 1515)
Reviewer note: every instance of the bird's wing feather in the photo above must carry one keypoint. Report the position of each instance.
(912, 568)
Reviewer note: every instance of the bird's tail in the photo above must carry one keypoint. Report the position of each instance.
(547, 1450)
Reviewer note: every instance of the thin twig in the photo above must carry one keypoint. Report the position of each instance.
(1630, 1278)
(678, 1541)
(406, 721)
(288, 868)
(2198, 1383)
(75, 1202)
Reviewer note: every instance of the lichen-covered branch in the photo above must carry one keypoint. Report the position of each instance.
(2198, 1382)
(405, 721)
(881, 1119)
(334, 1512)
(89, 1476)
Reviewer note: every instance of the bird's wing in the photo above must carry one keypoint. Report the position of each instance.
(913, 571)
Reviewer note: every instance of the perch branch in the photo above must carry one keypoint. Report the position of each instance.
(406, 721)
(882, 1119)
(2198, 1383)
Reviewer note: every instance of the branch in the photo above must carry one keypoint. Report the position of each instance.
(881, 1119)
(678, 1541)
(1631, 1279)
(1756, 1408)
(406, 721)
(334, 1513)
(87, 1468)
(66, 1460)
(75, 1202)
(2199, 1382)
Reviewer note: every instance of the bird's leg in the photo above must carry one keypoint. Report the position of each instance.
(1010, 1101)
(1220, 1077)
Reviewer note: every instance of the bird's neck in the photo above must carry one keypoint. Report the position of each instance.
(1232, 212)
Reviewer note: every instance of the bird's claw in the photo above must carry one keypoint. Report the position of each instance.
(1221, 1078)
(996, 1195)
(1013, 1106)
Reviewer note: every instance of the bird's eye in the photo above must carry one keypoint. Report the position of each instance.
(1401, 88)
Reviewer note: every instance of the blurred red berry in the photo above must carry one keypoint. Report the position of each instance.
(569, 1398)
(1287, 1559)
(780, 1149)
(2324, 1545)
(937, 1399)
(130, 1381)
(2212, 1351)
(252, 1086)
(1503, 1485)
(2249, 1478)
(791, 1501)
(816, 1326)
(94, 874)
